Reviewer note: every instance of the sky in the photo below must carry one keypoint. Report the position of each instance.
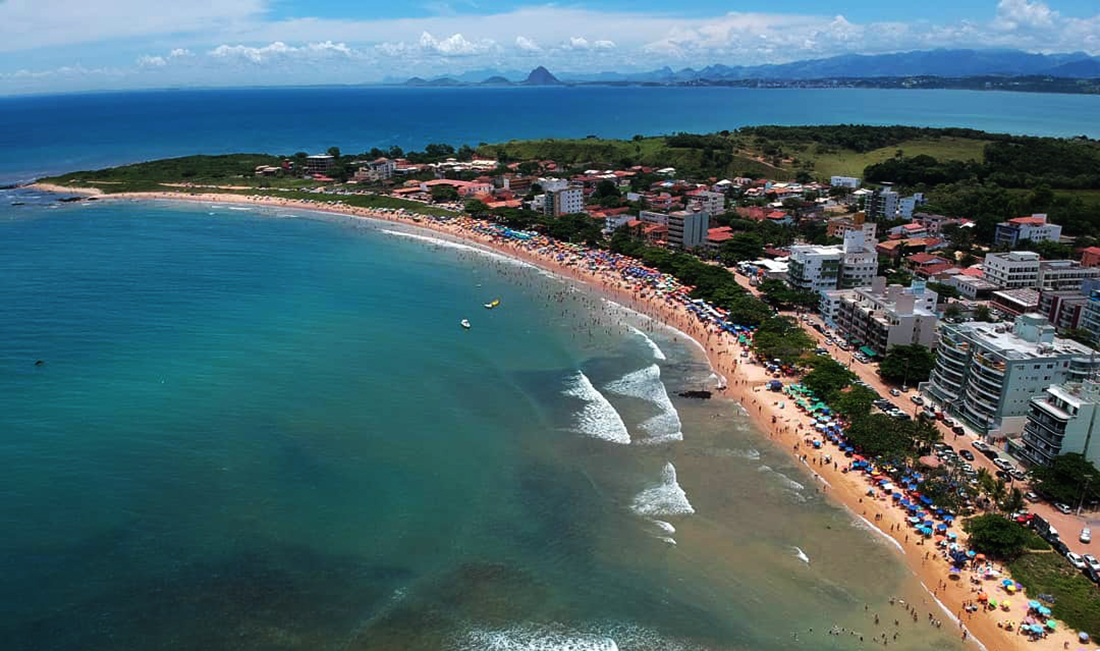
(78, 45)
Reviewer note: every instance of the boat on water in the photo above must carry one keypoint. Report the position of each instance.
(465, 323)
(490, 305)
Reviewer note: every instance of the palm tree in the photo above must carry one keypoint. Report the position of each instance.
(998, 492)
(1015, 501)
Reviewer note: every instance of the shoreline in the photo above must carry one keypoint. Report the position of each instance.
(743, 383)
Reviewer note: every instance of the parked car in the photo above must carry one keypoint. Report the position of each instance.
(980, 445)
(991, 453)
(1031, 497)
(1003, 464)
(1018, 475)
(958, 429)
(895, 392)
(1092, 574)
(967, 454)
(1023, 517)
(1093, 563)
(1000, 474)
(1063, 508)
(1086, 535)
(1076, 561)
(917, 400)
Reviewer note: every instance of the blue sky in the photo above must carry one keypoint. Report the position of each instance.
(66, 45)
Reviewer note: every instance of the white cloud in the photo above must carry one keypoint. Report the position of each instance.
(279, 51)
(1016, 14)
(29, 24)
(527, 45)
(203, 36)
(455, 45)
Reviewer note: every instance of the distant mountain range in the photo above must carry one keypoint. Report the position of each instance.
(922, 63)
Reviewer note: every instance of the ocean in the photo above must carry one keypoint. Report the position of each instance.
(42, 135)
(258, 429)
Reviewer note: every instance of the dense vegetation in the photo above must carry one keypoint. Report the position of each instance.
(1070, 478)
(1077, 599)
(995, 535)
(712, 283)
(907, 365)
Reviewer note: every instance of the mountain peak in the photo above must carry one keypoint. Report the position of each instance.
(540, 76)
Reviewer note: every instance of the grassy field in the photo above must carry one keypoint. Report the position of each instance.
(1078, 599)
(225, 170)
(651, 152)
(850, 163)
(747, 158)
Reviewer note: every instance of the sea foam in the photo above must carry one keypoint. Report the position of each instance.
(658, 354)
(597, 418)
(645, 384)
(437, 241)
(534, 638)
(801, 555)
(664, 499)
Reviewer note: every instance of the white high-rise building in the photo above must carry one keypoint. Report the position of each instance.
(1064, 419)
(987, 373)
(1012, 270)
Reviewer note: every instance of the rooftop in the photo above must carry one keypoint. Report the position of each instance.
(1002, 338)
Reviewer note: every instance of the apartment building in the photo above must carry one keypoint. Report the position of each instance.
(987, 373)
(821, 268)
(686, 229)
(1012, 270)
(1036, 228)
(564, 201)
(1062, 275)
(880, 316)
(1060, 421)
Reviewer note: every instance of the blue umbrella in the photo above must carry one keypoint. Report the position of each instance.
(1034, 604)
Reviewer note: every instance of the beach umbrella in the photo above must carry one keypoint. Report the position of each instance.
(1006, 582)
(1044, 611)
(982, 596)
(1083, 636)
(1034, 604)
(980, 557)
(1010, 588)
(1051, 624)
(992, 602)
(1006, 604)
(970, 553)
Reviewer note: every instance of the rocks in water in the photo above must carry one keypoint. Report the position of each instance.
(701, 395)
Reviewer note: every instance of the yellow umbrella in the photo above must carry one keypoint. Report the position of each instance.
(1010, 588)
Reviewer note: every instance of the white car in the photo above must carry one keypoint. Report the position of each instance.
(895, 392)
(1086, 535)
(917, 400)
(1063, 508)
(1093, 563)
(1076, 560)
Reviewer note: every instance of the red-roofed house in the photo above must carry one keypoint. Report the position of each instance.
(778, 217)
(716, 236)
(1090, 257)
(1035, 228)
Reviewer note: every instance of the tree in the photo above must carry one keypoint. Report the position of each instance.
(878, 435)
(943, 291)
(1014, 502)
(334, 152)
(827, 377)
(853, 403)
(907, 365)
(953, 311)
(741, 247)
(997, 536)
(781, 338)
(475, 207)
(923, 433)
(1070, 479)
(441, 193)
(983, 313)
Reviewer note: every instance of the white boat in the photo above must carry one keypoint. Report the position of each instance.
(465, 323)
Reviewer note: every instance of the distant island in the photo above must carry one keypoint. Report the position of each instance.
(1014, 70)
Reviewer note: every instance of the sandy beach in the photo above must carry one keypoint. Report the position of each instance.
(745, 384)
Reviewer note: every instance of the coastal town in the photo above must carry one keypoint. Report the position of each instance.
(943, 382)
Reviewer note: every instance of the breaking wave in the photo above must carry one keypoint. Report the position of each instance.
(598, 636)
(646, 384)
(598, 418)
(458, 245)
(665, 499)
(658, 354)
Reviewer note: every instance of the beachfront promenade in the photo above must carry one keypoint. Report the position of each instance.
(663, 298)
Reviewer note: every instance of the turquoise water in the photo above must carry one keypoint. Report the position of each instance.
(253, 432)
(54, 134)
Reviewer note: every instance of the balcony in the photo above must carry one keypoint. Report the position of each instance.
(986, 385)
(1040, 433)
(979, 400)
(993, 366)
